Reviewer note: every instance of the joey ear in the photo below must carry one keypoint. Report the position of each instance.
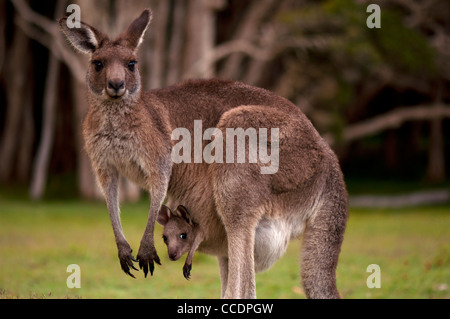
(185, 214)
(85, 38)
(135, 32)
(163, 215)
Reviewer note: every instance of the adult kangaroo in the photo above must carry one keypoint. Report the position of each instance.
(249, 216)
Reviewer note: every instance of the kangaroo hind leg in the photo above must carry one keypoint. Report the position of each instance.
(322, 241)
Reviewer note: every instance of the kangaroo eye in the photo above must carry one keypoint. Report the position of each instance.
(131, 65)
(164, 238)
(183, 236)
(98, 65)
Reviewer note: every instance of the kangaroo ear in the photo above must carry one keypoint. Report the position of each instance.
(135, 32)
(85, 38)
(185, 214)
(163, 215)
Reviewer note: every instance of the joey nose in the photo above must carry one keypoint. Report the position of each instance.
(173, 256)
(116, 88)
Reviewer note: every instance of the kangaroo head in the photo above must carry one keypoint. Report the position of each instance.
(112, 74)
(178, 231)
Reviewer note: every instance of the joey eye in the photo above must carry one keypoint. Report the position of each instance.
(183, 236)
(131, 65)
(164, 238)
(98, 65)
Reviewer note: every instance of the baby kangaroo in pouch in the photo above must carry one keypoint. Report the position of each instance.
(181, 234)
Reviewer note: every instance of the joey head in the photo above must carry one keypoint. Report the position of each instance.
(180, 234)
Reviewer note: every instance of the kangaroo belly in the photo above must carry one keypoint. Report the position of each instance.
(272, 237)
(134, 172)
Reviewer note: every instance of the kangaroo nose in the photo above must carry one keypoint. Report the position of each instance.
(116, 88)
(116, 85)
(173, 256)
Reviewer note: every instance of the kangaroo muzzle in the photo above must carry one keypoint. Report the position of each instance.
(116, 88)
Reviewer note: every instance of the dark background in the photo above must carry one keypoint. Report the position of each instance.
(379, 96)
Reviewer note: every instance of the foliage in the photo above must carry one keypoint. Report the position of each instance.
(354, 54)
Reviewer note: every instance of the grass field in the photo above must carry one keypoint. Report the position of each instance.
(39, 240)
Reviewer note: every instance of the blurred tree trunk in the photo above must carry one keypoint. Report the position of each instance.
(156, 54)
(42, 160)
(257, 68)
(25, 151)
(436, 155)
(247, 29)
(436, 151)
(86, 182)
(2, 33)
(390, 149)
(200, 38)
(16, 71)
(174, 65)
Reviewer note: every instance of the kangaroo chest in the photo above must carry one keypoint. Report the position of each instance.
(117, 145)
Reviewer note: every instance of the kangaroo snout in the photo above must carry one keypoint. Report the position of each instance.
(174, 255)
(116, 88)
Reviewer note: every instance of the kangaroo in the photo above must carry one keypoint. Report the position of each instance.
(249, 216)
(181, 234)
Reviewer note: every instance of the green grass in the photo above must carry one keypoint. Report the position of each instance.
(39, 240)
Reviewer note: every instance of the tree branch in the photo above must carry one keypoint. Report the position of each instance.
(29, 15)
(392, 119)
(223, 50)
(256, 52)
(50, 37)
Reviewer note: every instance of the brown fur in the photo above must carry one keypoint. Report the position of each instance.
(240, 210)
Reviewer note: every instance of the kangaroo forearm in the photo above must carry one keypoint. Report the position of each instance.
(109, 182)
(197, 241)
(157, 198)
